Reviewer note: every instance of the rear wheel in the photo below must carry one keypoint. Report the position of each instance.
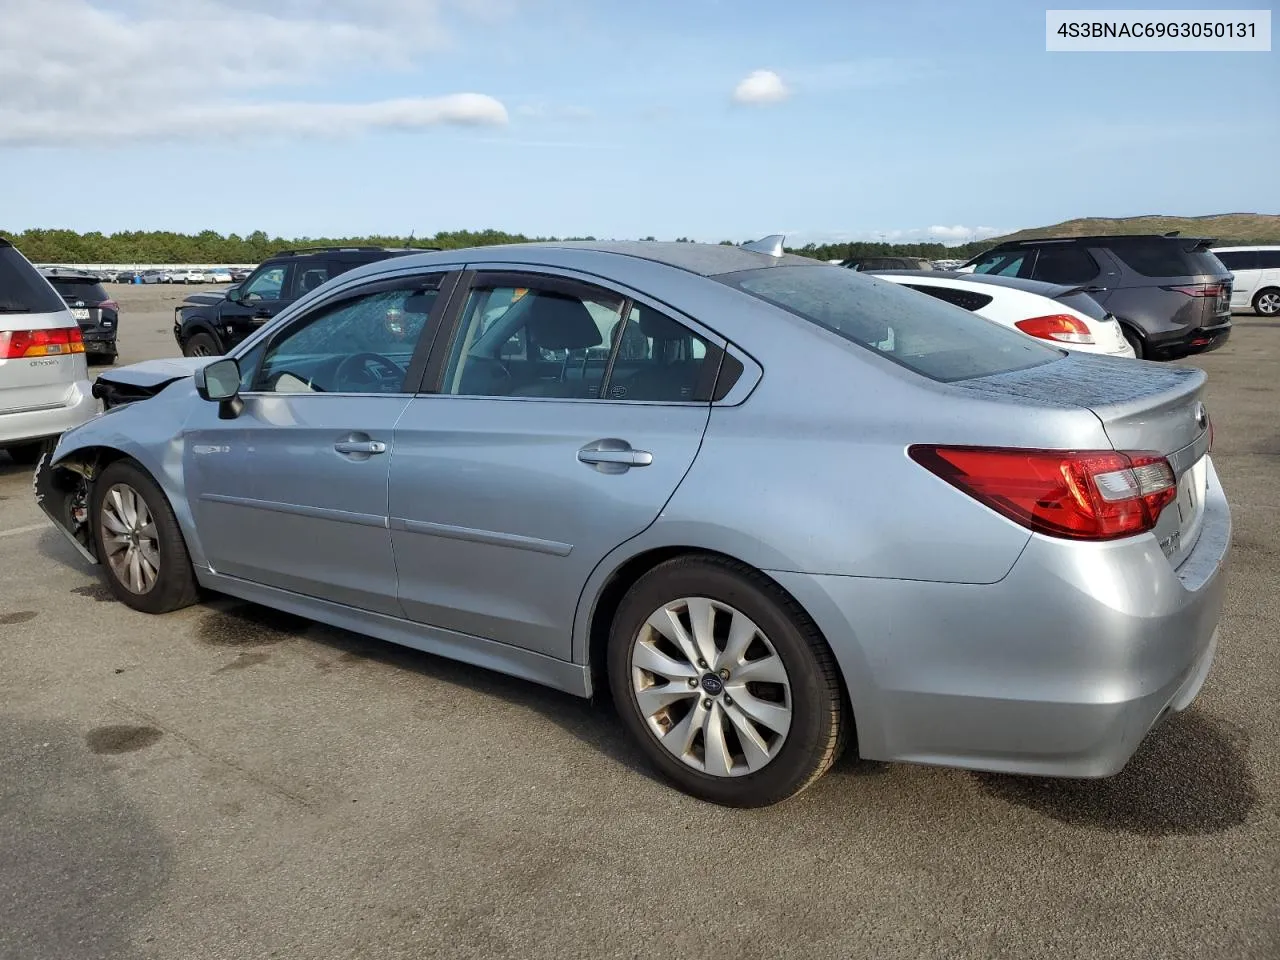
(139, 543)
(202, 345)
(1267, 302)
(725, 683)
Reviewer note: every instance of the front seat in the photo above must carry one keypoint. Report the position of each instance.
(557, 322)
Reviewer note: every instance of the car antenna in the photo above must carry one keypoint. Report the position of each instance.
(772, 245)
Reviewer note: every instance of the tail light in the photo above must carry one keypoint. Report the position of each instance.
(1079, 495)
(108, 305)
(1059, 326)
(16, 344)
(1197, 289)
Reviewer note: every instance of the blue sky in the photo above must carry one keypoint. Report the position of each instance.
(904, 120)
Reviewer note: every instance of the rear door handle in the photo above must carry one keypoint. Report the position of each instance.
(360, 446)
(613, 456)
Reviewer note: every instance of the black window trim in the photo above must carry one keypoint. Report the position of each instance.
(421, 351)
(556, 280)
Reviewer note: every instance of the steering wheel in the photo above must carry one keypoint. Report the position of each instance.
(354, 371)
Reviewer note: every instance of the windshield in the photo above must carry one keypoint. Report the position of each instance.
(935, 339)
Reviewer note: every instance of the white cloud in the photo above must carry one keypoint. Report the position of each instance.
(962, 234)
(761, 86)
(204, 69)
(951, 235)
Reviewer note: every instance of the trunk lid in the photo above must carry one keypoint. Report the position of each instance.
(1142, 407)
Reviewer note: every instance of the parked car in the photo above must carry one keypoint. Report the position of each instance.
(151, 276)
(44, 380)
(123, 276)
(189, 276)
(813, 503)
(1171, 295)
(887, 263)
(219, 276)
(1256, 271)
(207, 326)
(97, 313)
(240, 275)
(1061, 313)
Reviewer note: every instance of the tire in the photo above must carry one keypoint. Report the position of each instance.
(1134, 340)
(202, 345)
(783, 639)
(26, 454)
(1266, 303)
(173, 585)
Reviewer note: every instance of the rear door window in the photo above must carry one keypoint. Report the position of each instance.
(1066, 264)
(935, 339)
(22, 289)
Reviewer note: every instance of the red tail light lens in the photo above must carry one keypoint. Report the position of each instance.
(16, 344)
(108, 305)
(1079, 495)
(1197, 289)
(1059, 326)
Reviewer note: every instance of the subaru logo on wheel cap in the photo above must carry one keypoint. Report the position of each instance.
(712, 685)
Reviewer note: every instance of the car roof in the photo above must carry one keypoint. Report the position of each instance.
(1103, 239)
(1246, 249)
(704, 259)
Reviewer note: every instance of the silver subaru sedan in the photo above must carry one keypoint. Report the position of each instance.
(772, 506)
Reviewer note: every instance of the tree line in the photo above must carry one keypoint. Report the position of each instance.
(208, 246)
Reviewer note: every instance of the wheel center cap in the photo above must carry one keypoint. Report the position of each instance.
(712, 685)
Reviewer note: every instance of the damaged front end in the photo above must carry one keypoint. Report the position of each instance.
(62, 492)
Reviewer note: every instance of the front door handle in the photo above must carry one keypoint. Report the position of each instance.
(365, 447)
(613, 456)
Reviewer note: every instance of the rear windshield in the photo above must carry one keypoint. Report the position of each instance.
(932, 338)
(85, 290)
(1167, 258)
(1085, 304)
(22, 289)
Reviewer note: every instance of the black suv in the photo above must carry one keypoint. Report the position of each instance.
(209, 324)
(1171, 294)
(97, 314)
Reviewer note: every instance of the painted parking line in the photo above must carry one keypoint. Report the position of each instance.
(17, 531)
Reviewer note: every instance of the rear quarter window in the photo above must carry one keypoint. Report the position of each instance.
(970, 300)
(934, 339)
(1156, 258)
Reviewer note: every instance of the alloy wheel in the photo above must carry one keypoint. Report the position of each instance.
(711, 687)
(130, 538)
(1269, 304)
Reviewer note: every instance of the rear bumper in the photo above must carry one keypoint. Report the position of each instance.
(78, 407)
(1060, 669)
(1190, 342)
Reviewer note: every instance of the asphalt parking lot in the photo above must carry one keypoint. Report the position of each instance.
(228, 782)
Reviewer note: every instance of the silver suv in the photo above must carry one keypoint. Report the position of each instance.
(44, 379)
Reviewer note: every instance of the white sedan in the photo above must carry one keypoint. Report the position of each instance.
(219, 276)
(1062, 314)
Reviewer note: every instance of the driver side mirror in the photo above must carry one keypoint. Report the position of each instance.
(233, 293)
(219, 382)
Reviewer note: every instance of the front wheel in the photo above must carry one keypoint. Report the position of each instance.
(139, 542)
(1267, 303)
(201, 345)
(725, 683)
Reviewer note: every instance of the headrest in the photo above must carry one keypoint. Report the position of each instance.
(562, 323)
(657, 326)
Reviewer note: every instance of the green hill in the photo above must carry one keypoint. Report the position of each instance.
(1224, 227)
